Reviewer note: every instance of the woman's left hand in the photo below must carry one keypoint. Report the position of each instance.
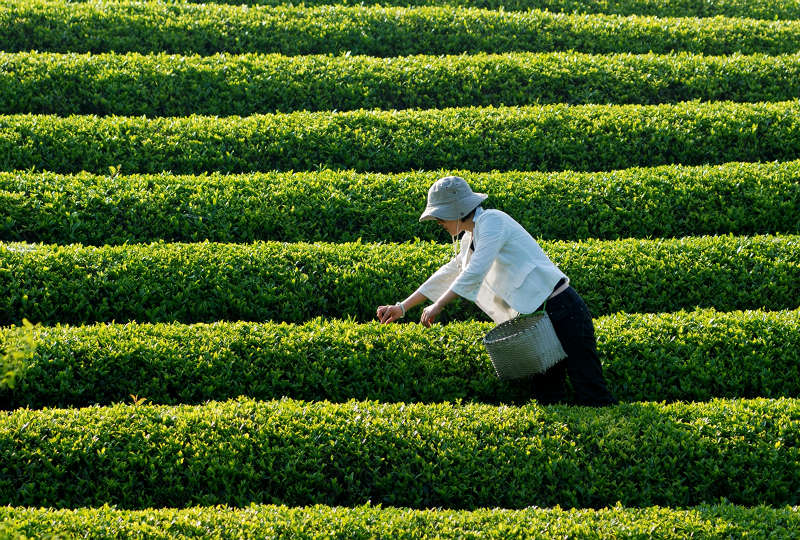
(429, 314)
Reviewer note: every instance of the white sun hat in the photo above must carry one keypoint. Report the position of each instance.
(451, 198)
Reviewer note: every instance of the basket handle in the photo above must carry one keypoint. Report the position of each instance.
(543, 310)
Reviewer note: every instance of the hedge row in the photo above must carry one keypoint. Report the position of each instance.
(373, 521)
(668, 201)
(679, 356)
(548, 137)
(420, 456)
(168, 85)
(755, 9)
(203, 282)
(378, 31)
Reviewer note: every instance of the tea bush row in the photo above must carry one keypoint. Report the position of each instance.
(666, 201)
(205, 29)
(692, 356)
(755, 9)
(547, 137)
(421, 456)
(202, 282)
(370, 521)
(168, 85)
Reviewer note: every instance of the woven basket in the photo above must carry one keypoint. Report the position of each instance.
(523, 346)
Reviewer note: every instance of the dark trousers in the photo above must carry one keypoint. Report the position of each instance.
(574, 328)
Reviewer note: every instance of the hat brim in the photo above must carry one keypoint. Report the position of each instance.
(449, 212)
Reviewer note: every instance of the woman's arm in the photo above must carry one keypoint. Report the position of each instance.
(487, 247)
(430, 313)
(468, 282)
(434, 287)
(387, 314)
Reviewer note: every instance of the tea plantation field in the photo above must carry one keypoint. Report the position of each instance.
(202, 204)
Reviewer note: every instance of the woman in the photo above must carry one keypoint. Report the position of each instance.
(501, 268)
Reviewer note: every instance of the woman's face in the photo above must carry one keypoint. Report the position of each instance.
(452, 226)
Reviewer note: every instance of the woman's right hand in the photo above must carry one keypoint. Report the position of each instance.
(387, 314)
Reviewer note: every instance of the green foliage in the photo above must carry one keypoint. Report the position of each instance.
(460, 454)
(721, 520)
(691, 356)
(421, 456)
(548, 137)
(756, 9)
(170, 27)
(296, 282)
(667, 201)
(168, 85)
(17, 348)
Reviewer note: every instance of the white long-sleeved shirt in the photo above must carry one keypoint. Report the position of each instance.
(507, 274)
